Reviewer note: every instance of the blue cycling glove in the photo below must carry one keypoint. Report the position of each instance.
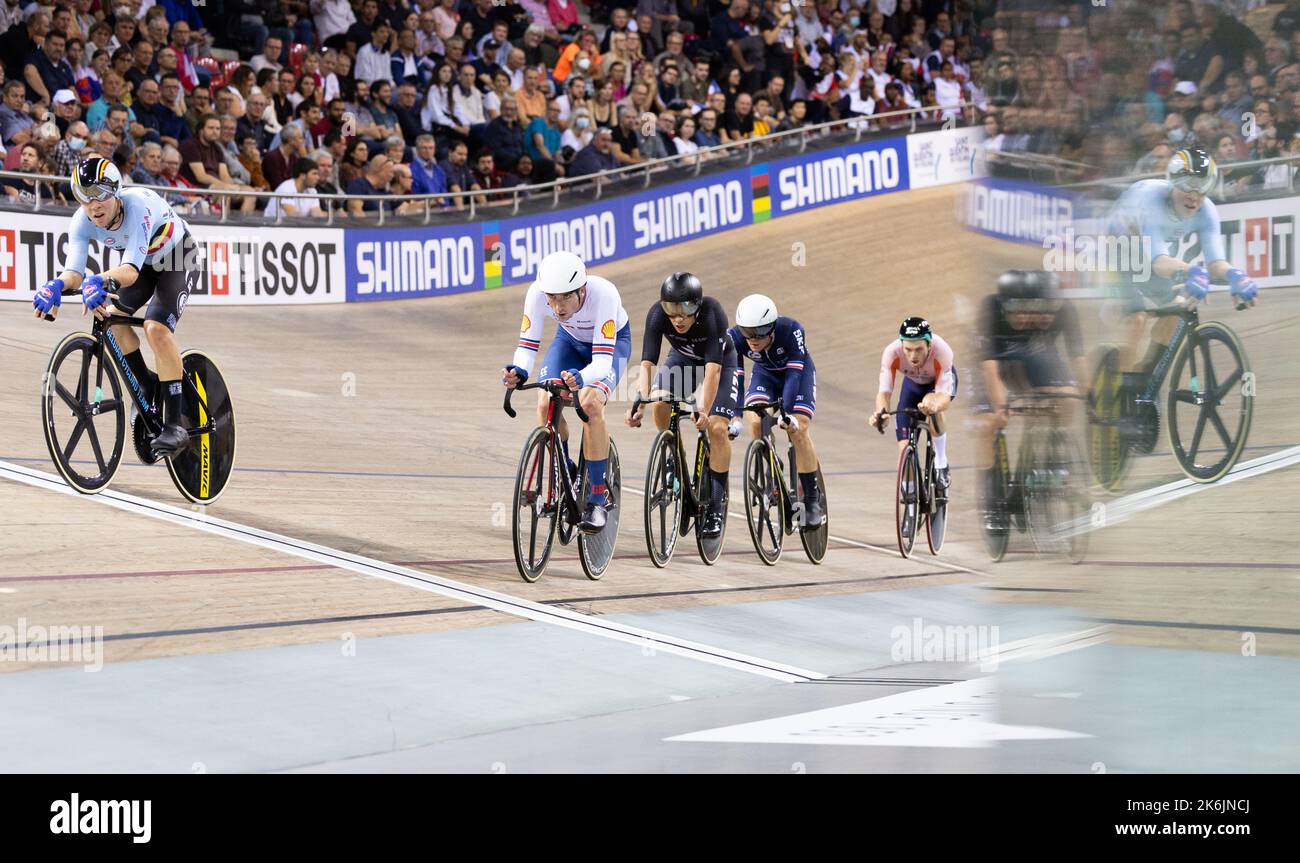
(1197, 284)
(578, 376)
(94, 293)
(520, 373)
(1242, 286)
(49, 296)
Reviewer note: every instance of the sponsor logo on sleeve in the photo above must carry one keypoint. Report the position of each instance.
(525, 325)
(607, 329)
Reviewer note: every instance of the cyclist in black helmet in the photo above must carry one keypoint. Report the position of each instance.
(701, 358)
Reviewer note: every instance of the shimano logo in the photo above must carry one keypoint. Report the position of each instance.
(593, 237)
(1017, 214)
(410, 266)
(77, 816)
(838, 177)
(687, 214)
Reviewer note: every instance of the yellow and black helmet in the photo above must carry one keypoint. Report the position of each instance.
(96, 179)
(1192, 169)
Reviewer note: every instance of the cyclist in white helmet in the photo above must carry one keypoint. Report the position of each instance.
(589, 355)
(783, 368)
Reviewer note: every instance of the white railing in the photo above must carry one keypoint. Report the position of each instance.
(455, 201)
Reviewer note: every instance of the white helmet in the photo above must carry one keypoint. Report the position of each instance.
(756, 316)
(561, 273)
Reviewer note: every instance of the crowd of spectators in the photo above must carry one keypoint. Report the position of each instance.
(420, 97)
(1119, 89)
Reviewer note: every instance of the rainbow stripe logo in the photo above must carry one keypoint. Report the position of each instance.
(492, 255)
(762, 205)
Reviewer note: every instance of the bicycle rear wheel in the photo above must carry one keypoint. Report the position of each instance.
(663, 499)
(200, 472)
(764, 506)
(936, 518)
(82, 427)
(907, 512)
(537, 503)
(815, 539)
(1108, 450)
(1206, 373)
(597, 550)
(710, 548)
(1076, 507)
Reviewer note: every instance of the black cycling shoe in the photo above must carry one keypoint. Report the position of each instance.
(593, 518)
(713, 523)
(944, 480)
(813, 515)
(172, 441)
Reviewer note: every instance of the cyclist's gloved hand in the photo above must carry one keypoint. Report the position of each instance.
(1242, 286)
(789, 422)
(48, 297)
(577, 379)
(1197, 284)
(94, 293)
(519, 373)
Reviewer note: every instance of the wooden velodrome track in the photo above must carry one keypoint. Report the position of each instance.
(377, 429)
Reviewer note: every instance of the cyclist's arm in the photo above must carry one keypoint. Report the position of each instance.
(794, 368)
(647, 379)
(945, 381)
(530, 330)
(888, 365)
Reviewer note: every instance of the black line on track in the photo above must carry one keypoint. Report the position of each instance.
(460, 609)
(1219, 627)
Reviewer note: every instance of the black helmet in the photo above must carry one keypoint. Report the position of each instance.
(1027, 285)
(915, 329)
(1192, 169)
(680, 294)
(96, 179)
(1029, 291)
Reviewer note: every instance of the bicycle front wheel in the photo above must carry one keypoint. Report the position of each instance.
(84, 430)
(764, 507)
(995, 489)
(663, 499)
(907, 508)
(1211, 402)
(537, 503)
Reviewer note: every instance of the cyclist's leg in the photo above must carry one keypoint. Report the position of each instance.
(564, 353)
(726, 404)
(171, 290)
(763, 387)
(593, 397)
(128, 300)
(909, 396)
(804, 407)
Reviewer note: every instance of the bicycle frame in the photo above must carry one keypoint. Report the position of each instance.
(102, 332)
(553, 409)
(675, 417)
(1189, 318)
(769, 413)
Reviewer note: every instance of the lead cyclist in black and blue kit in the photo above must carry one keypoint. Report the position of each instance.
(159, 265)
(782, 367)
(1159, 213)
